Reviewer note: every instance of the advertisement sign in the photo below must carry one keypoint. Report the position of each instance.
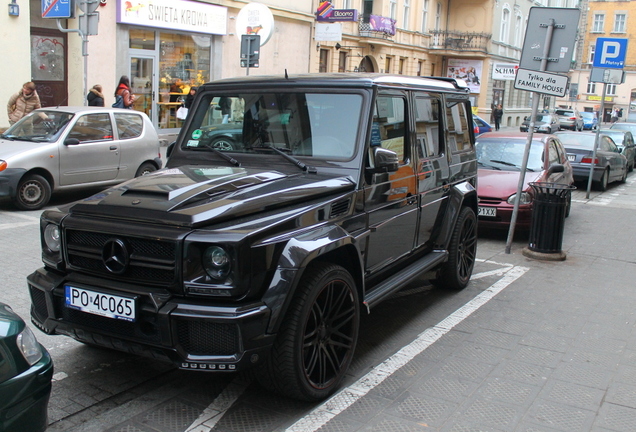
(57, 9)
(328, 32)
(255, 19)
(326, 12)
(468, 70)
(382, 24)
(504, 71)
(174, 14)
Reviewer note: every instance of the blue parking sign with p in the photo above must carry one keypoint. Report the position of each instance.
(610, 53)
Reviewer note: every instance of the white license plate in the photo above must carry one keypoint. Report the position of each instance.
(571, 158)
(106, 305)
(487, 211)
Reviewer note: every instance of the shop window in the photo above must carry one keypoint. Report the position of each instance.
(142, 39)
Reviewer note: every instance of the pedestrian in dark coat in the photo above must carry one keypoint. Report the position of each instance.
(95, 96)
(497, 114)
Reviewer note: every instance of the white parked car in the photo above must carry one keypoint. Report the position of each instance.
(63, 148)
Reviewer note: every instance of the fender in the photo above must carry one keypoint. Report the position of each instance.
(299, 252)
(461, 194)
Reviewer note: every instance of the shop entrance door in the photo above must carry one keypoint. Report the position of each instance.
(143, 82)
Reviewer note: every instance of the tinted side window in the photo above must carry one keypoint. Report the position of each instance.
(458, 129)
(389, 125)
(427, 126)
(129, 125)
(92, 127)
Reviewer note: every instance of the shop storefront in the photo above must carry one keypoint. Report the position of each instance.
(170, 50)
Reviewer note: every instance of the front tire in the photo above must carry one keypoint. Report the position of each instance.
(455, 273)
(315, 344)
(34, 192)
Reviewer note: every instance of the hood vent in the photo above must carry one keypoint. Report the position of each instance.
(339, 208)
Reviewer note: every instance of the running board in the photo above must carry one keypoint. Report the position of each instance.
(404, 277)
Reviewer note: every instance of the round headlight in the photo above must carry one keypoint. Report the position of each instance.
(525, 198)
(52, 237)
(216, 262)
(29, 346)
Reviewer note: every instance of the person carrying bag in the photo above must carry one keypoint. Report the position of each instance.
(123, 96)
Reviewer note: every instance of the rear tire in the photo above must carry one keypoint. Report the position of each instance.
(455, 273)
(145, 168)
(603, 182)
(33, 193)
(317, 338)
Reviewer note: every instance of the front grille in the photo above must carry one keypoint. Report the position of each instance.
(151, 261)
(144, 329)
(208, 338)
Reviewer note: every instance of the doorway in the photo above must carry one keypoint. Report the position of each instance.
(143, 78)
(48, 66)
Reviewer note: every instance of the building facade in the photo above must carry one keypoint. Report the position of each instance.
(606, 19)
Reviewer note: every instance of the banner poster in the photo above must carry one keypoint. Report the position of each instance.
(468, 70)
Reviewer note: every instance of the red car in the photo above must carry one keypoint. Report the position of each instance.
(500, 156)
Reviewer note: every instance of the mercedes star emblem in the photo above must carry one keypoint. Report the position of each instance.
(115, 256)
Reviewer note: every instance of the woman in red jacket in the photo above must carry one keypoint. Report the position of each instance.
(123, 90)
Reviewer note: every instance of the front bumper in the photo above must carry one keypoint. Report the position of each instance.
(192, 334)
(9, 180)
(504, 216)
(24, 398)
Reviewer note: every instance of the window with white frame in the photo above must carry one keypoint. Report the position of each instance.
(591, 88)
(505, 26)
(591, 56)
(425, 16)
(392, 9)
(620, 20)
(611, 90)
(518, 30)
(598, 23)
(438, 16)
(406, 14)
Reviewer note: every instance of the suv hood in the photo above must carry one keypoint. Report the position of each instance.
(191, 195)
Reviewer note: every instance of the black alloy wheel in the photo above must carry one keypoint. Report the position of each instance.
(462, 251)
(315, 344)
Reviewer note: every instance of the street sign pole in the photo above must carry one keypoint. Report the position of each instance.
(596, 138)
(526, 153)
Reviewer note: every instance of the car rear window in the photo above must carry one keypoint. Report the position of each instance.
(129, 125)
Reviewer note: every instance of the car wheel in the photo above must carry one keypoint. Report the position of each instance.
(33, 193)
(223, 144)
(315, 344)
(456, 272)
(602, 183)
(624, 178)
(145, 168)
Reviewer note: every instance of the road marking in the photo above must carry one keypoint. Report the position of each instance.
(213, 413)
(347, 396)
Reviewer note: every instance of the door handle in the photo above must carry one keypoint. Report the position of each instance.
(411, 199)
(113, 147)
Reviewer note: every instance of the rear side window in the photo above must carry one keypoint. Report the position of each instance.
(458, 127)
(427, 126)
(129, 125)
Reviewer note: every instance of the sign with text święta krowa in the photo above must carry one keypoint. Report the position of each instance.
(541, 82)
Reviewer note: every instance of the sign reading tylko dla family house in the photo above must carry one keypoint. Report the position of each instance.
(174, 14)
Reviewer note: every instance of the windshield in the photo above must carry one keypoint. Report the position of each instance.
(39, 126)
(507, 154)
(302, 124)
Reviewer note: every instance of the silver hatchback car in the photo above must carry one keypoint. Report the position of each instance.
(63, 148)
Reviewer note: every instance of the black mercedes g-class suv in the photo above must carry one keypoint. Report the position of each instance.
(288, 206)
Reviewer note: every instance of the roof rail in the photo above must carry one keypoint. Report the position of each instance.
(459, 84)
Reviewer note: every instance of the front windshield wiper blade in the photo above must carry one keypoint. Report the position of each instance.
(219, 153)
(510, 164)
(300, 164)
(8, 137)
(488, 165)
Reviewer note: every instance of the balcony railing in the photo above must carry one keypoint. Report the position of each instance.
(459, 41)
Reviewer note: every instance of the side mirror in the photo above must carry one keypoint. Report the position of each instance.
(556, 168)
(71, 141)
(384, 160)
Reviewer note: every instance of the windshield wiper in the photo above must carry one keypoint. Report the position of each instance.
(8, 137)
(219, 153)
(488, 165)
(504, 163)
(300, 164)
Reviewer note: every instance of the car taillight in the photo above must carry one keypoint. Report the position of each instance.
(589, 160)
(572, 118)
(476, 130)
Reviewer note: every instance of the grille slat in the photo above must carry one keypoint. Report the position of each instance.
(151, 261)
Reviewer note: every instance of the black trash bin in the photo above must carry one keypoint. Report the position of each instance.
(548, 216)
